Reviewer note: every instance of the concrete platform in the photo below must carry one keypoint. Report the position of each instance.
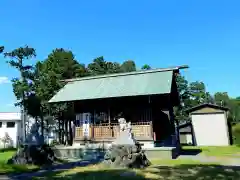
(87, 153)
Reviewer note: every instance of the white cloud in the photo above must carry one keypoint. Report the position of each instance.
(4, 79)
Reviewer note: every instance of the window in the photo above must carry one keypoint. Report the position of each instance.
(0, 124)
(10, 124)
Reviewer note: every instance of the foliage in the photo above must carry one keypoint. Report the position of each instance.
(54, 143)
(99, 66)
(21, 86)
(236, 134)
(128, 66)
(194, 93)
(1, 49)
(146, 67)
(9, 149)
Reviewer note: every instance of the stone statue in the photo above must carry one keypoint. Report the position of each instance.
(125, 150)
(129, 130)
(122, 124)
(125, 134)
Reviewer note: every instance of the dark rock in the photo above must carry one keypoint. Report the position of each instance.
(125, 150)
(129, 156)
(33, 154)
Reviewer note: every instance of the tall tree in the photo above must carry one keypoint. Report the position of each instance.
(60, 64)
(221, 98)
(21, 85)
(146, 67)
(99, 66)
(209, 98)
(128, 66)
(182, 85)
(198, 92)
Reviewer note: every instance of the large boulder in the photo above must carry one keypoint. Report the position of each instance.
(33, 154)
(129, 156)
(125, 150)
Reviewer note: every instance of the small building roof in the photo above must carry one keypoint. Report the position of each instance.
(148, 82)
(201, 106)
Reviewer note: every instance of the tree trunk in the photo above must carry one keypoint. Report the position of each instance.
(70, 133)
(59, 130)
(42, 125)
(65, 131)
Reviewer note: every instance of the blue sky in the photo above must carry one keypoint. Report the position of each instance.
(203, 34)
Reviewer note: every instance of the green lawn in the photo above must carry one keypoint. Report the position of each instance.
(226, 151)
(169, 170)
(179, 169)
(7, 168)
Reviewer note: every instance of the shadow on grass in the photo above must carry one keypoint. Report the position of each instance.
(16, 169)
(17, 174)
(8, 149)
(180, 172)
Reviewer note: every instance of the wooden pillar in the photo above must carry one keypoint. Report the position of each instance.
(174, 124)
(109, 117)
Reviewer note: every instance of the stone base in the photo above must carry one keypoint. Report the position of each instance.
(162, 153)
(82, 152)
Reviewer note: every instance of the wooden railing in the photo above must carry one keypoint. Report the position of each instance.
(140, 130)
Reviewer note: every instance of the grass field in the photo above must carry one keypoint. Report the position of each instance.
(169, 170)
(179, 169)
(5, 168)
(227, 151)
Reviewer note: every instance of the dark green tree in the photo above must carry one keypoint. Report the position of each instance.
(128, 66)
(21, 85)
(48, 75)
(223, 99)
(209, 98)
(197, 92)
(184, 95)
(1, 49)
(146, 67)
(99, 67)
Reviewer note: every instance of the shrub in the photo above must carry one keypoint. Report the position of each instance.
(236, 134)
(54, 143)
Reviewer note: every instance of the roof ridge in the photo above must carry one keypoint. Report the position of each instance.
(128, 73)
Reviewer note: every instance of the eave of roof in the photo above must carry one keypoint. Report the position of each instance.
(214, 106)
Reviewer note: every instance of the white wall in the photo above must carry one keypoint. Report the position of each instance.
(210, 129)
(13, 132)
